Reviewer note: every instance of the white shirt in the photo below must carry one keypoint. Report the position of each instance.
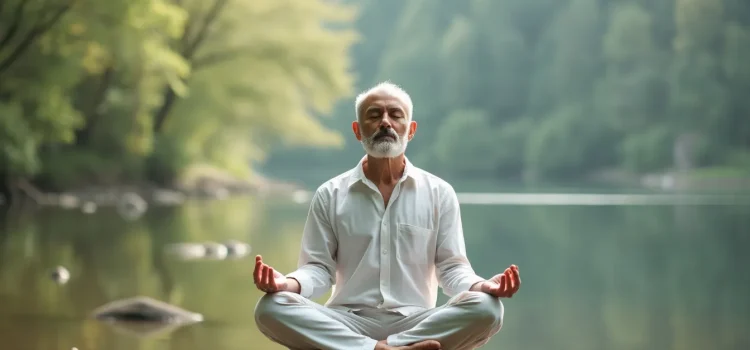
(392, 257)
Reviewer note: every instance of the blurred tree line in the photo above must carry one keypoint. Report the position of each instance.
(124, 91)
(557, 89)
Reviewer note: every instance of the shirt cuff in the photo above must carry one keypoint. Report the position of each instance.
(469, 281)
(305, 284)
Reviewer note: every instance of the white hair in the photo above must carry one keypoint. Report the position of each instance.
(389, 89)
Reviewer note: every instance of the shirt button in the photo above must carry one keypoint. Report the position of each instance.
(385, 252)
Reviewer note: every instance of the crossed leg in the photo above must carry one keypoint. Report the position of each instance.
(466, 321)
(299, 323)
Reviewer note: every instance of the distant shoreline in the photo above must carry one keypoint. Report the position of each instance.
(213, 184)
(207, 185)
(707, 179)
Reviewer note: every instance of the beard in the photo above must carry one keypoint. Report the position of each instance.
(385, 143)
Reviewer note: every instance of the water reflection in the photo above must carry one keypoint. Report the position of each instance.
(595, 277)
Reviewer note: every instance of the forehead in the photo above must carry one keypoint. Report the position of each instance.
(380, 100)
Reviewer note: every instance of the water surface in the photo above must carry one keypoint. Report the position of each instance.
(617, 276)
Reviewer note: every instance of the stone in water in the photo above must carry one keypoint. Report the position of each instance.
(145, 309)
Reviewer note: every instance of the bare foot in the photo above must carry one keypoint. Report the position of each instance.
(423, 345)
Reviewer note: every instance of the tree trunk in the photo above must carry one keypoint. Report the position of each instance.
(189, 48)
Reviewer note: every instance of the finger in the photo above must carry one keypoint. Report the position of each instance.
(269, 276)
(516, 281)
(256, 273)
(263, 277)
(501, 286)
(508, 281)
(260, 277)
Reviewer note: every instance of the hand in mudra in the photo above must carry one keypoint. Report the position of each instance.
(267, 279)
(503, 285)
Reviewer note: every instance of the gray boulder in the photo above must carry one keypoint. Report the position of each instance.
(145, 309)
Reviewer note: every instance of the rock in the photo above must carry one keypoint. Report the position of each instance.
(167, 197)
(187, 251)
(237, 249)
(215, 250)
(88, 207)
(131, 206)
(68, 201)
(60, 275)
(145, 309)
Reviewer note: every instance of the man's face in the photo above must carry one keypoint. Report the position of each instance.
(383, 127)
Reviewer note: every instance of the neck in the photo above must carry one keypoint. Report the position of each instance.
(384, 171)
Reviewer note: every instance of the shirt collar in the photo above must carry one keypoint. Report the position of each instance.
(358, 174)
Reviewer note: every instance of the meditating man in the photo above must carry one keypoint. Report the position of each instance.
(385, 235)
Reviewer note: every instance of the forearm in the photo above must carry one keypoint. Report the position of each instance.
(456, 276)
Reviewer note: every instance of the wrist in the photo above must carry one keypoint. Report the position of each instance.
(477, 287)
(292, 285)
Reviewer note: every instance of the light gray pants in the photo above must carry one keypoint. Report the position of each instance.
(466, 321)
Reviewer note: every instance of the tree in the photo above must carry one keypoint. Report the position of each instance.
(89, 88)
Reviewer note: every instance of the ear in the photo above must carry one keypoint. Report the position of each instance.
(412, 129)
(357, 132)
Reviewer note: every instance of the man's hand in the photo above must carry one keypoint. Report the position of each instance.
(503, 285)
(267, 279)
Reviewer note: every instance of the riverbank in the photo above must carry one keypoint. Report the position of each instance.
(201, 182)
(208, 183)
(704, 179)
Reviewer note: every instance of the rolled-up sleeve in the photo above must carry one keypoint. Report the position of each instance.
(316, 266)
(454, 272)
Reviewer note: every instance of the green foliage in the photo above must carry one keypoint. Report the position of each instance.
(563, 143)
(648, 151)
(18, 142)
(67, 168)
(167, 162)
(92, 90)
(463, 133)
(567, 87)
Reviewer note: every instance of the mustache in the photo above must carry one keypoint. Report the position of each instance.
(383, 133)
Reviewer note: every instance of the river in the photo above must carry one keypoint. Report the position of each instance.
(612, 275)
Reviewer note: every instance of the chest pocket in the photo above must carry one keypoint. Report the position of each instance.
(416, 245)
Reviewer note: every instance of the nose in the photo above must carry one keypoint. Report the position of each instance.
(386, 121)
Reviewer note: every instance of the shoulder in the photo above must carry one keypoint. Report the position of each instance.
(329, 188)
(435, 183)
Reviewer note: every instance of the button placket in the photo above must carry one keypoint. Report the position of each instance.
(384, 263)
(385, 242)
